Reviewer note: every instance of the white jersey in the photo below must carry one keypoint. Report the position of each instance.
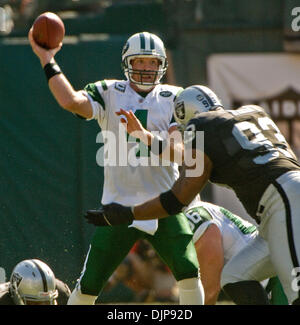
(236, 232)
(130, 182)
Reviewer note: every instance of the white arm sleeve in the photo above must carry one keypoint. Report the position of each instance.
(97, 108)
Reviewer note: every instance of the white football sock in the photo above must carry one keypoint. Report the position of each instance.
(78, 298)
(191, 292)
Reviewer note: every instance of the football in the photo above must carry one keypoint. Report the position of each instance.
(48, 30)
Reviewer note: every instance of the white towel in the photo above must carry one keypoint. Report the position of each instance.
(148, 226)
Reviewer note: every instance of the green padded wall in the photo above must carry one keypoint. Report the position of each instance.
(48, 170)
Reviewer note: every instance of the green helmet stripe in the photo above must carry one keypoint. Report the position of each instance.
(142, 40)
(152, 45)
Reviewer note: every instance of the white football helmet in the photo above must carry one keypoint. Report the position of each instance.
(33, 280)
(144, 45)
(194, 100)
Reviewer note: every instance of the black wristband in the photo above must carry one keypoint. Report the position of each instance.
(170, 203)
(157, 146)
(51, 69)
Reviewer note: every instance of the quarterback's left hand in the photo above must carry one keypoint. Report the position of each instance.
(110, 215)
(96, 217)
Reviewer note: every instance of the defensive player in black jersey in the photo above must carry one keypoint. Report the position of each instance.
(243, 149)
(32, 282)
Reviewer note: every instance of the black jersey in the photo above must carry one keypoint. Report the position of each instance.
(247, 150)
(62, 288)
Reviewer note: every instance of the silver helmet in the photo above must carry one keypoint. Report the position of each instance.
(144, 45)
(194, 100)
(33, 281)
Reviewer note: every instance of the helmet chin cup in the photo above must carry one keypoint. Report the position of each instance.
(143, 85)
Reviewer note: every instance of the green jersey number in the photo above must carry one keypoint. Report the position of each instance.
(142, 149)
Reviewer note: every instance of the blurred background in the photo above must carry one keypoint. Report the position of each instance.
(246, 51)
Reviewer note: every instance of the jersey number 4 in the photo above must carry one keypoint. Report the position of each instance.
(142, 149)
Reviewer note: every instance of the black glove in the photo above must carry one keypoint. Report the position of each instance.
(96, 217)
(110, 215)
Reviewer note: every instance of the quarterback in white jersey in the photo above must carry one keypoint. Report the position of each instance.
(155, 112)
(129, 178)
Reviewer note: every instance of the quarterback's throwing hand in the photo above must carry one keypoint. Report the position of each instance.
(110, 215)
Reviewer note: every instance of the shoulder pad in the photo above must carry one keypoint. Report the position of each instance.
(106, 84)
(93, 90)
(103, 84)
